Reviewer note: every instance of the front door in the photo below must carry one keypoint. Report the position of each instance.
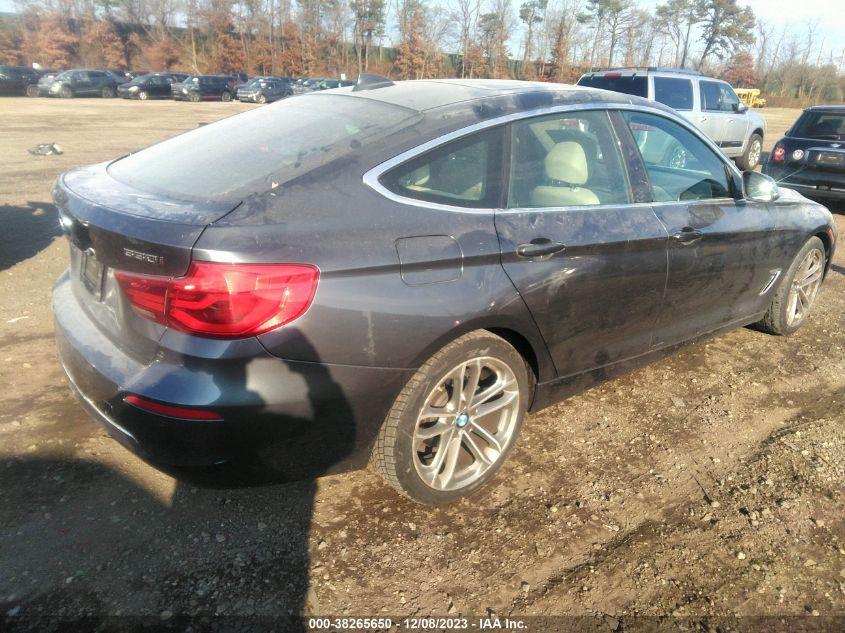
(590, 264)
(720, 256)
(712, 120)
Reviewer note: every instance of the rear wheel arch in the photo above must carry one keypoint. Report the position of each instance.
(530, 346)
(824, 236)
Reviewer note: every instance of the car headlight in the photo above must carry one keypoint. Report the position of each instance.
(798, 154)
(134, 88)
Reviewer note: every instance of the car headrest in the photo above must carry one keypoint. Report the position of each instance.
(567, 162)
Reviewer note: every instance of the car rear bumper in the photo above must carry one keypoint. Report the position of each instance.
(307, 418)
(809, 182)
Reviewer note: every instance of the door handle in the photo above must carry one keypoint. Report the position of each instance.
(687, 235)
(703, 119)
(539, 247)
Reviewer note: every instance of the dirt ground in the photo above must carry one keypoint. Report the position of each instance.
(708, 485)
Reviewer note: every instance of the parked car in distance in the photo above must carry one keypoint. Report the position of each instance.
(382, 275)
(710, 104)
(84, 83)
(151, 86)
(264, 90)
(42, 89)
(301, 86)
(811, 157)
(205, 88)
(132, 74)
(18, 80)
(328, 84)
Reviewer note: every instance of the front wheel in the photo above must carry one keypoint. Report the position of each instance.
(66, 92)
(751, 158)
(108, 93)
(32, 91)
(262, 99)
(143, 95)
(227, 96)
(796, 295)
(456, 420)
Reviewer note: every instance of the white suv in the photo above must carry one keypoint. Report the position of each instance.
(710, 104)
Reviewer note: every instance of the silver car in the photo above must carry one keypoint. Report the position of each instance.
(709, 104)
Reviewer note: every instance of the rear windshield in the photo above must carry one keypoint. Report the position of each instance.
(260, 149)
(630, 85)
(821, 125)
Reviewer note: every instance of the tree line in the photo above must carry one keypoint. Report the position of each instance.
(551, 40)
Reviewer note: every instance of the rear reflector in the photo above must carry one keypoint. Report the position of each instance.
(224, 300)
(170, 411)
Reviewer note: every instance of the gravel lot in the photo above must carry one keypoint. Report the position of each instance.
(707, 485)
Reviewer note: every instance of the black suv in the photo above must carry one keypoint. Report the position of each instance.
(16, 80)
(84, 83)
(150, 86)
(205, 88)
(264, 90)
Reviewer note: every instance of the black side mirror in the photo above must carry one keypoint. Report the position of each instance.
(759, 187)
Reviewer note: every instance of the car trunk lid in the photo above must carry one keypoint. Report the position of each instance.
(113, 227)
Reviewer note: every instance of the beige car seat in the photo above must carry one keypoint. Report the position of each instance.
(566, 164)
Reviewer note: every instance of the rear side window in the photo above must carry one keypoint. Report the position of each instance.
(261, 149)
(630, 85)
(461, 173)
(563, 160)
(673, 92)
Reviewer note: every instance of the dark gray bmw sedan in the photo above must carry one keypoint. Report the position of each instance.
(395, 273)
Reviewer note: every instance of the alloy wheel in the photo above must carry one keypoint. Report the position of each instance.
(466, 424)
(754, 153)
(805, 287)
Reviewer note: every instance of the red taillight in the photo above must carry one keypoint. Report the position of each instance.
(183, 413)
(778, 153)
(224, 300)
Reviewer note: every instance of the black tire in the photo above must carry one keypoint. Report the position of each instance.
(262, 99)
(776, 319)
(143, 95)
(226, 96)
(194, 97)
(753, 151)
(108, 93)
(394, 452)
(66, 92)
(32, 91)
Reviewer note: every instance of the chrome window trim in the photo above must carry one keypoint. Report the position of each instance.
(371, 177)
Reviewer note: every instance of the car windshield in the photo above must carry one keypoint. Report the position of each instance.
(261, 149)
(630, 85)
(821, 125)
(140, 79)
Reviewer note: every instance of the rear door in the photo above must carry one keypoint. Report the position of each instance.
(82, 83)
(589, 262)
(722, 253)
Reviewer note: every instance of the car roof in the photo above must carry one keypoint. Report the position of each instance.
(427, 94)
(827, 108)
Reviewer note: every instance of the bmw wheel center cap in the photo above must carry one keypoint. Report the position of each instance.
(462, 420)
